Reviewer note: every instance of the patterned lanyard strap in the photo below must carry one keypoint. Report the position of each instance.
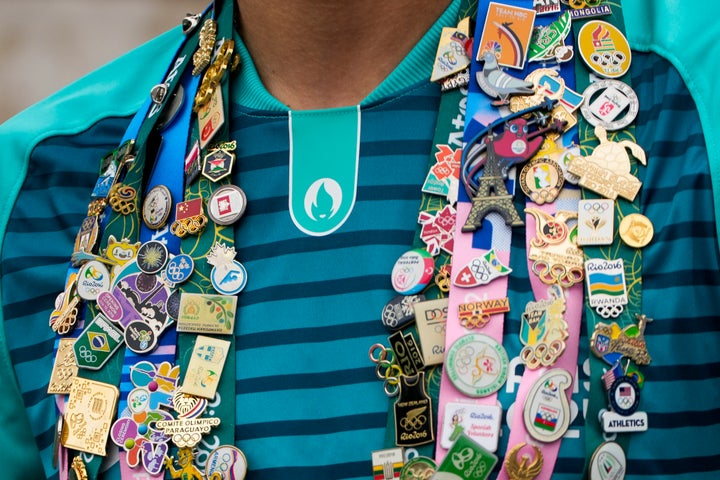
(146, 267)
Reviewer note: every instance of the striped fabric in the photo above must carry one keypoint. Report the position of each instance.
(308, 403)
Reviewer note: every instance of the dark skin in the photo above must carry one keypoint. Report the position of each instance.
(314, 54)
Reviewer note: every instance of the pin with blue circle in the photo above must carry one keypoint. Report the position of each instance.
(179, 268)
(228, 276)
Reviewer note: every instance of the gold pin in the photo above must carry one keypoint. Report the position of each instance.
(528, 467)
(64, 369)
(636, 230)
(89, 415)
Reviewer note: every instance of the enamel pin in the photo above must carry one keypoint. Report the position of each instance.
(399, 312)
(481, 271)
(596, 219)
(478, 314)
(557, 259)
(541, 180)
(479, 422)
(548, 43)
(506, 34)
(611, 104)
(442, 178)
(190, 218)
(387, 464)
(228, 276)
(489, 157)
(97, 343)
(437, 230)
(604, 49)
(412, 272)
(207, 314)
(547, 409)
(477, 365)
(431, 321)
(608, 461)
(414, 423)
(205, 368)
(610, 343)
(227, 204)
(607, 170)
(452, 52)
(464, 453)
(543, 330)
(156, 207)
(64, 316)
(606, 289)
(122, 199)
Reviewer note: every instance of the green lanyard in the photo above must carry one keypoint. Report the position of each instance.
(632, 259)
(199, 246)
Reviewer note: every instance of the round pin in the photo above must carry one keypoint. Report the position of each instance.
(636, 230)
(139, 337)
(604, 49)
(608, 461)
(399, 311)
(179, 268)
(624, 395)
(412, 272)
(541, 179)
(227, 204)
(173, 305)
(156, 207)
(152, 257)
(477, 365)
(418, 467)
(93, 279)
(229, 278)
(228, 461)
(611, 104)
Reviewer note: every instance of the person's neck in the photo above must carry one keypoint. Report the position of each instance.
(313, 54)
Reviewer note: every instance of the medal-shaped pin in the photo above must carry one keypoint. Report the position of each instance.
(156, 207)
(541, 179)
(611, 104)
(557, 260)
(414, 424)
(228, 276)
(604, 49)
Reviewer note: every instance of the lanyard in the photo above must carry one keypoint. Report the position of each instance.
(630, 268)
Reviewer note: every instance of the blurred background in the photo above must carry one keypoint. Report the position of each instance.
(46, 44)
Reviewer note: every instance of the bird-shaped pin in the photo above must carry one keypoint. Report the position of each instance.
(498, 84)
